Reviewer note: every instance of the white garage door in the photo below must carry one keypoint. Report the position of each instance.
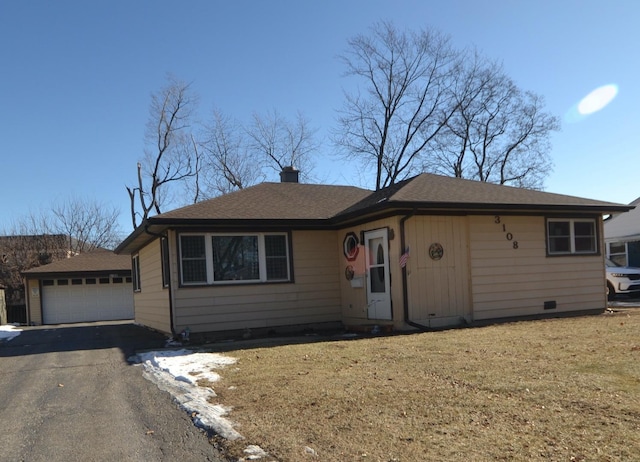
(86, 299)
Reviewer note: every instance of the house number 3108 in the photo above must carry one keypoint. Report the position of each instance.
(498, 221)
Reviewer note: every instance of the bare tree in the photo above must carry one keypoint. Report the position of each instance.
(498, 133)
(57, 232)
(227, 163)
(24, 247)
(407, 100)
(87, 225)
(280, 143)
(169, 157)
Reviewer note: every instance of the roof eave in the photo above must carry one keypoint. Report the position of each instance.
(464, 208)
(153, 227)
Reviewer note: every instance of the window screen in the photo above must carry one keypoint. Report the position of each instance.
(194, 259)
(277, 263)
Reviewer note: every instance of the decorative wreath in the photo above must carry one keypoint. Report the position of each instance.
(349, 272)
(436, 251)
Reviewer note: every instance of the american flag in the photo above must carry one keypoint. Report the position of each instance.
(404, 258)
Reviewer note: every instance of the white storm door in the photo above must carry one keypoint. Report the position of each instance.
(377, 265)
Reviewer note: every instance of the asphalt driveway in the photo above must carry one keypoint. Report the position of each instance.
(68, 394)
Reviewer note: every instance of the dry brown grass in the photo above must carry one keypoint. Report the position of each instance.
(560, 389)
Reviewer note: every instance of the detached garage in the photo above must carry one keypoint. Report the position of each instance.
(94, 286)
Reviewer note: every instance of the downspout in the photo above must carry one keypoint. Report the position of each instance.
(166, 236)
(405, 290)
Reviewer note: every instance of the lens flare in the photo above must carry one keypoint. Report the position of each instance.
(597, 99)
(593, 102)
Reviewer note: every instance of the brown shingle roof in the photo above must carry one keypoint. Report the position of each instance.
(98, 261)
(296, 205)
(436, 188)
(273, 201)
(435, 191)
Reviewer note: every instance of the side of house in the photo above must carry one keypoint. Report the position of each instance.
(307, 294)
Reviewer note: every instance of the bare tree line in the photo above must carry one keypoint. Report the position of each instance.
(206, 159)
(58, 231)
(424, 105)
(420, 105)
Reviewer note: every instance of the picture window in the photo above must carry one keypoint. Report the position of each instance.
(234, 258)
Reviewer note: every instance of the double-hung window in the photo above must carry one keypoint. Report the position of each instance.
(234, 258)
(571, 236)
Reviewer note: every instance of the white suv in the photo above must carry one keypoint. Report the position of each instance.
(621, 279)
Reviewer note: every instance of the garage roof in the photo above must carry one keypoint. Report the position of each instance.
(99, 261)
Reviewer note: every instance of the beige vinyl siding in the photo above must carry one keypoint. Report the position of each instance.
(354, 299)
(516, 280)
(34, 300)
(438, 290)
(313, 298)
(152, 301)
(3, 307)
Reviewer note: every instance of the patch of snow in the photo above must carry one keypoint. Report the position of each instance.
(310, 451)
(9, 332)
(177, 371)
(254, 453)
(187, 366)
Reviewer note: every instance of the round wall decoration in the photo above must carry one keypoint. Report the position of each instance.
(350, 246)
(349, 272)
(436, 251)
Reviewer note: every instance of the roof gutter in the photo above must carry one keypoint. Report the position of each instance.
(405, 290)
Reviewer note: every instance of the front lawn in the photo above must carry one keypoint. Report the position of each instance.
(559, 389)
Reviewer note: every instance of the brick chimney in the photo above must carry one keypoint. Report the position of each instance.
(289, 175)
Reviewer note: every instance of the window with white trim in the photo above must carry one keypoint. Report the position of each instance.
(618, 253)
(215, 258)
(571, 236)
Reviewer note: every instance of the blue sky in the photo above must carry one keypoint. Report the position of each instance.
(76, 79)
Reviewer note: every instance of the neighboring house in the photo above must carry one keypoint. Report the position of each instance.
(21, 252)
(93, 286)
(430, 251)
(622, 237)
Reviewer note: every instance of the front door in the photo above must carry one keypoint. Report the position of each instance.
(377, 265)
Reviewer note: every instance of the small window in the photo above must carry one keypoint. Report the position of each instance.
(117, 280)
(76, 282)
(104, 281)
(128, 280)
(90, 281)
(164, 254)
(63, 282)
(135, 274)
(571, 236)
(47, 282)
